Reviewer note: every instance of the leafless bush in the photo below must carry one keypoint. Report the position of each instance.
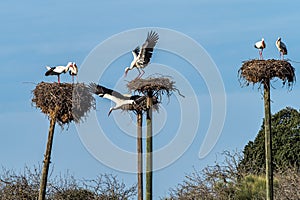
(228, 181)
(107, 186)
(289, 184)
(213, 182)
(25, 185)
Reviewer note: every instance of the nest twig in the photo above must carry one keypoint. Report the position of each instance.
(259, 71)
(157, 85)
(68, 102)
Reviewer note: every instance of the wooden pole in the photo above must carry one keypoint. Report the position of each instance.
(140, 154)
(149, 148)
(43, 184)
(268, 141)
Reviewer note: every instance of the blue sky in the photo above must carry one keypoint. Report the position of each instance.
(39, 33)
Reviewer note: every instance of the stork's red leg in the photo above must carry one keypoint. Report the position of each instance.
(143, 72)
(260, 55)
(58, 78)
(139, 74)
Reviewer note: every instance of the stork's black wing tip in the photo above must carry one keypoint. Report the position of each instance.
(93, 88)
(136, 50)
(153, 34)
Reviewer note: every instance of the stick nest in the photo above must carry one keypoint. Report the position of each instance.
(66, 102)
(157, 85)
(259, 71)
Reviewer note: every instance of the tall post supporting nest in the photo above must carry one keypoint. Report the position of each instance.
(149, 143)
(262, 72)
(153, 88)
(268, 141)
(141, 105)
(140, 154)
(63, 103)
(44, 177)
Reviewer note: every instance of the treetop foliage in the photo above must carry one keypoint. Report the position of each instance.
(285, 144)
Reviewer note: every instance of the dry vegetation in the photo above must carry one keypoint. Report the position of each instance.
(71, 101)
(227, 180)
(25, 186)
(258, 71)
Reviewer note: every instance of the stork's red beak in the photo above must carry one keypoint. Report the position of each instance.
(126, 71)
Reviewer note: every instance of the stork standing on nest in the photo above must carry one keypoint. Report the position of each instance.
(281, 48)
(141, 57)
(120, 99)
(58, 70)
(73, 71)
(260, 45)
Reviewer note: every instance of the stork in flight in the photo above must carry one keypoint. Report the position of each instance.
(260, 45)
(120, 99)
(141, 57)
(281, 48)
(58, 70)
(73, 71)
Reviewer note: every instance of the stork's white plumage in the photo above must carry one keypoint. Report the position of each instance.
(58, 70)
(281, 48)
(120, 99)
(260, 45)
(73, 71)
(141, 57)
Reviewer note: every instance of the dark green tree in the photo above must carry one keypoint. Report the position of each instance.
(285, 144)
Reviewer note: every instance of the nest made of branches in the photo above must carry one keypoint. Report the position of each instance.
(156, 85)
(259, 71)
(66, 102)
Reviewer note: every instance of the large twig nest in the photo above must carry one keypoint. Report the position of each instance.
(156, 85)
(259, 71)
(67, 102)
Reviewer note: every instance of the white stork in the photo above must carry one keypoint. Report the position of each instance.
(119, 99)
(260, 45)
(281, 48)
(58, 70)
(141, 57)
(73, 71)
